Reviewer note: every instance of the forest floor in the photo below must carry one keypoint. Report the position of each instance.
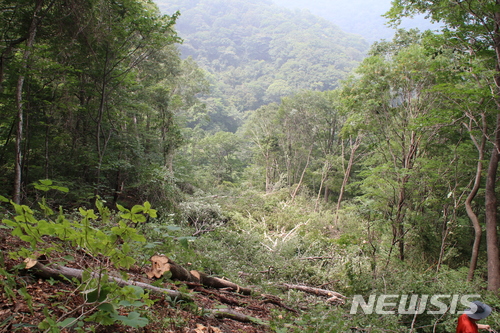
(20, 313)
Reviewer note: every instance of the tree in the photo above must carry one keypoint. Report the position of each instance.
(72, 68)
(261, 130)
(472, 25)
(218, 155)
(30, 24)
(392, 102)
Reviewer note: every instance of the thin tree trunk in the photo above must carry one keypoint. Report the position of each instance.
(468, 202)
(444, 236)
(294, 194)
(101, 145)
(35, 20)
(324, 176)
(347, 174)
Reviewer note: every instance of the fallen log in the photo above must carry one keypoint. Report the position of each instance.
(333, 297)
(161, 264)
(56, 272)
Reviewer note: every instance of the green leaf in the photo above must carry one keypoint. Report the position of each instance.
(46, 182)
(133, 320)
(68, 322)
(96, 295)
(10, 223)
(136, 304)
(17, 232)
(137, 209)
(184, 242)
(121, 208)
(107, 307)
(61, 188)
(139, 218)
(126, 262)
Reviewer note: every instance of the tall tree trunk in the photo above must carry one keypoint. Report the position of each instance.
(101, 143)
(491, 215)
(490, 196)
(35, 20)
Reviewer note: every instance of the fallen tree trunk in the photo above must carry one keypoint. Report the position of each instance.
(333, 297)
(162, 264)
(69, 273)
(56, 272)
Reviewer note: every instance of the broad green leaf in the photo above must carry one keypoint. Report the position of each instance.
(108, 307)
(46, 182)
(121, 208)
(133, 319)
(68, 322)
(137, 209)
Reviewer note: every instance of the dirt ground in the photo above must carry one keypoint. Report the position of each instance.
(60, 299)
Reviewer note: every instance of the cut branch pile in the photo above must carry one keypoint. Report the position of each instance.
(162, 264)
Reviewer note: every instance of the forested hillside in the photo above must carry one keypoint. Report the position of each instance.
(257, 52)
(245, 187)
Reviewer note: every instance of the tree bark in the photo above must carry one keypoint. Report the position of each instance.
(490, 195)
(491, 215)
(347, 173)
(294, 194)
(468, 202)
(162, 264)
(35, 20)
(56, 272)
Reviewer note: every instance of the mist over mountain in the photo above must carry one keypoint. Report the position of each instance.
(258, 52)
(363, 17)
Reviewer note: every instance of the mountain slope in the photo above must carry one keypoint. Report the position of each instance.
(258, 52)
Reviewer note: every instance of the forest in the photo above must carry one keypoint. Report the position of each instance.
(235, 166)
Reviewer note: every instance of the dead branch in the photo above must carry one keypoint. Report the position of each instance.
(276, 301)
(316, 258)
(333, 297)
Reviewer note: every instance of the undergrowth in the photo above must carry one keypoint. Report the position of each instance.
(252, 239)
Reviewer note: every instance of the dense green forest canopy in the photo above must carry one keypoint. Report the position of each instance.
(257, 52)
(365, 172)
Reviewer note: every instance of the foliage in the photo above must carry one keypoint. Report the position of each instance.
(100, 234)
(258, 52)
(107, 97)
(115, 112)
